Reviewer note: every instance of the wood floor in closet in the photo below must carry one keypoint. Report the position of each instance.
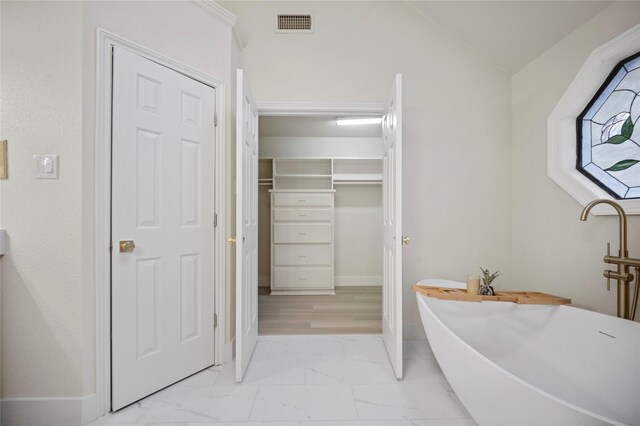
(353, 310)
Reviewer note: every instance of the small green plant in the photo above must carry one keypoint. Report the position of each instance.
(487, 279)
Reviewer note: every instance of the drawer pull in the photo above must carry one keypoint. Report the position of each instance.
(302, 201)
(302, 257)
(303, 233)
(302, 215)
(302, 279)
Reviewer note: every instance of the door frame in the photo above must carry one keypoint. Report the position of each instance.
(301, 109)
(104, 73)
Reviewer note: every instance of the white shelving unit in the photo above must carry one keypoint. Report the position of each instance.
(319, 173)
(301, 174)
(302, 236)
(357, 170)
(302, 202)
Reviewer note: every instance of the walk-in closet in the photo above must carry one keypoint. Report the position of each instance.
(320, 225)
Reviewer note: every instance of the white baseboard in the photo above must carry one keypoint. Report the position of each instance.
(340, 281)
(413, 332)
(89, 409)
(70, 411)
(358, 280)
(73, 411)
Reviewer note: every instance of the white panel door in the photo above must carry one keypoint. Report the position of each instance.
(246, 226)
(392, 227)
(162, 200)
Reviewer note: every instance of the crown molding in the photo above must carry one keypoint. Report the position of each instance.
(225, 16)
(237, 36)
(218, 11)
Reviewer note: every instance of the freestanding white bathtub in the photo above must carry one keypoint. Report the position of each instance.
(536, 365)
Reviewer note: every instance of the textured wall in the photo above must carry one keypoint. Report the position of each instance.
(552, 250)
(48, 107)
(42, 286)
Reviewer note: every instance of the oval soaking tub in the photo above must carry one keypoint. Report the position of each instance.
(536, 365)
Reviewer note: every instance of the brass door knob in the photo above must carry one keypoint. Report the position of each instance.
(231, 241)
(405, 240)
(127, 246)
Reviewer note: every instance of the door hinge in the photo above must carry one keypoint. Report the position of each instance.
(215, 320)
(215, 119)
(215, 220)
(110, 248)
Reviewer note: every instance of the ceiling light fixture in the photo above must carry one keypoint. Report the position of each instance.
(358, 121)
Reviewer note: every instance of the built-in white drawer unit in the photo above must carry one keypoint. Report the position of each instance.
(302, 278)
(295, 233)
(302, 242)
(302, 255)
(302, 214)
(300, 199)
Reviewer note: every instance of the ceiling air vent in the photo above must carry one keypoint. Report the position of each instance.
(294, 23)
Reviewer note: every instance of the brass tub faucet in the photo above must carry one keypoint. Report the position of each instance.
(626, 308)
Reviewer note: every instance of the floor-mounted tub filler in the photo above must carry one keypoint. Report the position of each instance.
(513, 364)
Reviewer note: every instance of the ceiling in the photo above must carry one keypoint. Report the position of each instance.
(314, 126)
(510, 33)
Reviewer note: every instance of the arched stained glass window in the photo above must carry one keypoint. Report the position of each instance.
(609, 133)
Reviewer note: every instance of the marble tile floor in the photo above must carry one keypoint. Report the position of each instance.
(339, 380)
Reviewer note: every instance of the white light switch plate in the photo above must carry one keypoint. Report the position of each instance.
(45, 166)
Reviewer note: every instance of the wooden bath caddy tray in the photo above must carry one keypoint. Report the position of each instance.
(522, 297)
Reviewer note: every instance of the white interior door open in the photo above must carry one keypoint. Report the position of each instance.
(246, 225)
(162, 227)
(392, 227)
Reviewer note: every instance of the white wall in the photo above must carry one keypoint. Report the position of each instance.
(272, 146)
(457, 192)
(552, 250)
(358, 235)
(42, 283)
(48, 106)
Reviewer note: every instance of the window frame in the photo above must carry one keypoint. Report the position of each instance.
(579, 124)
(561, 143)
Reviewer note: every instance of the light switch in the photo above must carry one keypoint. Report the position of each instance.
(45, 166)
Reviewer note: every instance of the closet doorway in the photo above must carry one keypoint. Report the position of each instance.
(319, 225)
(304, 207)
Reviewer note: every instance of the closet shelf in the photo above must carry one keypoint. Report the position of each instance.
(359, 177)
(358, 183)
(302, 190)
(302, 176)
